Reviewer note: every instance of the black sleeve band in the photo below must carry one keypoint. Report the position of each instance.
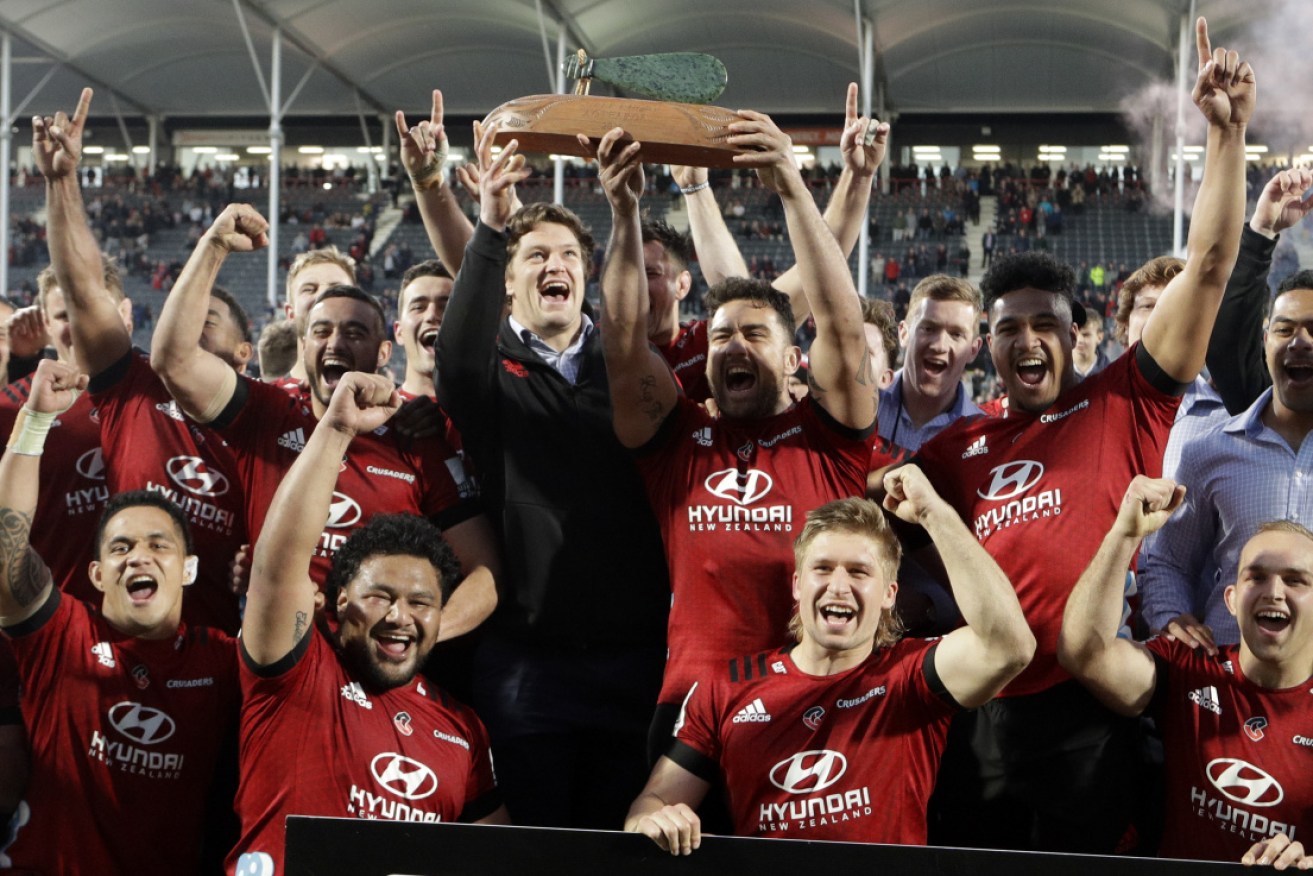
(481, 807)
(282, 665)
(1157, 377)
(111, 375)
(38, 620)
(234, 407)
(932, 679)
(694, 761)
(835, 426)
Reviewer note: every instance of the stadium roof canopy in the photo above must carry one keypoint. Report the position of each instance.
(191, 58)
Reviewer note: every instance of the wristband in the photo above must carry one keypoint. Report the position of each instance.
(28, 437)
(431, 177)
(705, 184)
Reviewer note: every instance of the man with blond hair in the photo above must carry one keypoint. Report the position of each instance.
(855, 715)
(312, 272)
(940, 337)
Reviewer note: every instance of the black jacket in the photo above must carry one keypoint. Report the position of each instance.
(1235, 351)
(582, 553)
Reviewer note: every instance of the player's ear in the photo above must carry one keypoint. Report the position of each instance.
(189, 570)
(1228, 596)
(93, 572)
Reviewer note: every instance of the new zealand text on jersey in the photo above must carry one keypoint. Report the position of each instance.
(815, 811)
(131, 759)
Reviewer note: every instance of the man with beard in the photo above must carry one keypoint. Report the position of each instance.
(384, 744)
(850, 698)
(267, 429)
(1236, 721)
(146, 443)
(1045, 766)
(727, 489)
(1249, 470)
(309, 274)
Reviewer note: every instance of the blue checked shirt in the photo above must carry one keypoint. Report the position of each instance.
(895, 425)
(1240, 475)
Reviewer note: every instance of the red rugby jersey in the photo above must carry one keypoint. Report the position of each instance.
(730, 497)
(849, 757)
(687, 357)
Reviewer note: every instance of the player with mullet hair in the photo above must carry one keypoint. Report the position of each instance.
(377, 723)
(125, 705)
(1236, 721)
(851, 711)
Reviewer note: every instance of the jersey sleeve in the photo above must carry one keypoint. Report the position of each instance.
(696, 746)
(450, 494)
(481, 795)
(39, 642)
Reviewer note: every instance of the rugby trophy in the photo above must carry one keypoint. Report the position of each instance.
(676, 126)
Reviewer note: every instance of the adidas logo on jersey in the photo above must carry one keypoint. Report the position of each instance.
(104, 654)
(703, 436)
(1206, 698)
(356, 694)
(753, 713)
(977, 448)
(170, 409)
(293, 440)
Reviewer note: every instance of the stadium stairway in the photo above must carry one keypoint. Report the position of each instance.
(988, 214)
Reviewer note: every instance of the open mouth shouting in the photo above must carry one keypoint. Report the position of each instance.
(142, 588)
(428, 338)
(555, 291)
(1272, 620)
(1031, 370)
(837, 617)
(1299, 373)
(394, 646)
(740, 378)
(332, 369)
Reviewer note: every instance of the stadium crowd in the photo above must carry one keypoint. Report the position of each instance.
(688, 578)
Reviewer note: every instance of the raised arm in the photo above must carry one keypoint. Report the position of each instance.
(1120, 672)
(200, 381)
(1235, 349)
(100, 337)
(25, 581)
(643, 391)
(474, 599)
(718, 253)
(862, 145)
(977, 661)
(281, 600)
(1176, 334)
(664, 811)
(424, 156)
(839, 371)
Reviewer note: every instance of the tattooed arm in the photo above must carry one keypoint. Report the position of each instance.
(25, 581)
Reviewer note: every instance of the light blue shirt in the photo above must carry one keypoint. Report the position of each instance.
(567, 362)
(896, 425)
(1240, 474)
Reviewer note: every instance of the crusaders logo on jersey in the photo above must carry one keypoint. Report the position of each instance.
(141, 676)
(408, 779)
(402, 722)
(91, 465)
(196, 476)
(1011, 479)
(742, 487)
(809, 771)
(1254, 727)
(1243, 782)
(813, 717)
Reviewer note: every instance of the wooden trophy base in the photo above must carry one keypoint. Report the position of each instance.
(671, 133)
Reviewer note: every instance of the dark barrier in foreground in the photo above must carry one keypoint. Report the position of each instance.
(323, 846)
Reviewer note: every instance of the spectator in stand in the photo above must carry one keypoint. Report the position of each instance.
(1087, 356)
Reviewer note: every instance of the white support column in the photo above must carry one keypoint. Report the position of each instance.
(866, 33)
(558, 176)
(275, 164)
(6, 149)
(1183, 88)
(388, 124)
(153, 141)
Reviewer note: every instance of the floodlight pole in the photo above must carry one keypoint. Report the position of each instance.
(275, 164)
(6, 147)
(558, 176)
(1182, 89)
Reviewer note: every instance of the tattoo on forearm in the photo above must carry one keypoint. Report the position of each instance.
(648, 402)
(24, 572)
(865, 377)
(302, 620)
